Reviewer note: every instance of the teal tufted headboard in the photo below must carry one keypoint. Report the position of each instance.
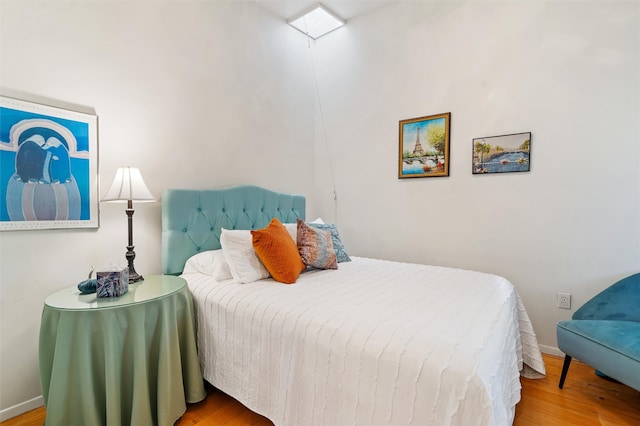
(191, 219)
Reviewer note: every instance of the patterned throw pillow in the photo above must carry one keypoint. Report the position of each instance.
(338, 247)
(278, 252)
(316, 247)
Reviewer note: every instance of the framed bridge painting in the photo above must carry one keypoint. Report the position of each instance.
(424, 146)
(49, 167)
(502, 154)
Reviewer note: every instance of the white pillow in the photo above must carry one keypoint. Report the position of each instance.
(292, 229)
(243, 261)
(244, 264)
(211, 262)
(318, 220)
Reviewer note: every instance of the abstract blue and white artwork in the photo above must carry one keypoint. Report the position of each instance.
(48, 167)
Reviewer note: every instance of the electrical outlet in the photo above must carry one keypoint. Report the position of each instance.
(564, 301)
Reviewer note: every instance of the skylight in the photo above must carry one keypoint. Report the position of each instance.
(316, 22)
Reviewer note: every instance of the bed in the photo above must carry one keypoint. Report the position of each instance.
(373, 342)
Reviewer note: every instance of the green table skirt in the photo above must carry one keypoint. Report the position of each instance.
(131, 365)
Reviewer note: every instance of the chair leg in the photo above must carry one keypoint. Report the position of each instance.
(565, 368)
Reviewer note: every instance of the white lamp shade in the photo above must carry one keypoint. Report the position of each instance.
(128, 185)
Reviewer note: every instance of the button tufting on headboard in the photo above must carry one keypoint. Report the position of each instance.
(192, 219)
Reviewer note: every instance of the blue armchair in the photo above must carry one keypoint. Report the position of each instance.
(605, 333)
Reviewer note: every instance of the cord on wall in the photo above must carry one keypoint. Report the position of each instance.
(324, 132)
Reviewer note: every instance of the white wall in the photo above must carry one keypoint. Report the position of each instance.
(568, 72)
(221, 79)
(195, 94)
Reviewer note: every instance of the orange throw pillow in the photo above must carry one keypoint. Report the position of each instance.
(278, 252)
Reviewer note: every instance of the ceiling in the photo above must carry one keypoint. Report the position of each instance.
(345, 9)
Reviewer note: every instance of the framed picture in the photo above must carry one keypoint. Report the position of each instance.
(424, 146)
(502, 154)
(49, 173)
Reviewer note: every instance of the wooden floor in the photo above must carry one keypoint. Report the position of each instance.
(585, 400)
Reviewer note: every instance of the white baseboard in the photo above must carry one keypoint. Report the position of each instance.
(23, 407)
(551, 350)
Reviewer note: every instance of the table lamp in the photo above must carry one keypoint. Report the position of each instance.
(128, 186)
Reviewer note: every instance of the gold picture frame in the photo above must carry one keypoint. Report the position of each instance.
(424, 146)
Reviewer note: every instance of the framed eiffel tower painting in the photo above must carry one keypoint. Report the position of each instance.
(424, 146)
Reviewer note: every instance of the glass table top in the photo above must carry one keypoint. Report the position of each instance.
(152, 287)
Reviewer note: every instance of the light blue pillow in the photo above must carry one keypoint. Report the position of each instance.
(338, 247)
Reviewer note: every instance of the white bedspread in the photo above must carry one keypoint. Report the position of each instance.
(372, 343)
